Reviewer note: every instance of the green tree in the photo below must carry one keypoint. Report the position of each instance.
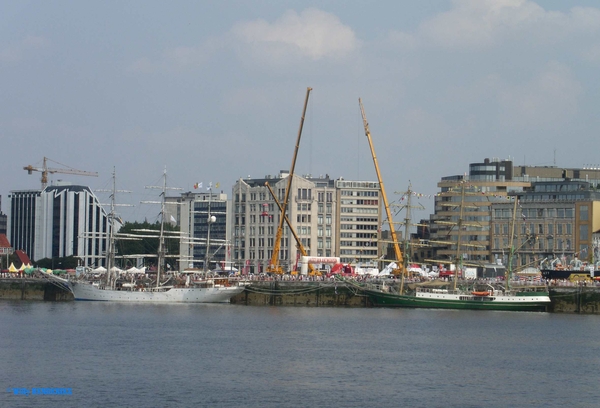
(144, 245)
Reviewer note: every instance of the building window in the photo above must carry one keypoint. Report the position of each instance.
(583, 233)
(583, 213)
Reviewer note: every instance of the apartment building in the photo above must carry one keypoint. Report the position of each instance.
(332, 218)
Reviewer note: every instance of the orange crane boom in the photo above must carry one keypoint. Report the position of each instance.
(45, 170)
(273, 266)
(397, 251)
(287, 220)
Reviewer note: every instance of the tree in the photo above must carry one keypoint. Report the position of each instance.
(145, 245)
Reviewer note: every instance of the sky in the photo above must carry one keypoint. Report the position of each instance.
(213, 90)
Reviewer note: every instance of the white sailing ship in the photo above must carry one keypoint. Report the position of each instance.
(191, 289)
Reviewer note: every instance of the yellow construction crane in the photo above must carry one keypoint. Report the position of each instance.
(273, 266)
(47, 170)
(311, 270)
(398, 253)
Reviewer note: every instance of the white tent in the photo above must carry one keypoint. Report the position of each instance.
(100, 269)
(388, 269)
(367, 271)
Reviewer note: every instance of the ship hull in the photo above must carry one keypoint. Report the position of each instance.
(85, 291)
(564, 273)
(537, 303)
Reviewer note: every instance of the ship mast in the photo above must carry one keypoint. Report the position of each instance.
(161, 239)
(459, 234)
(511, 254)
(111, 251)
(407, 222)
(209, 221)
(110, 254)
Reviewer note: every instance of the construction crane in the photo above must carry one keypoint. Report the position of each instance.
(398, 253)
(311, 270)
(48, 170)
(273, 266)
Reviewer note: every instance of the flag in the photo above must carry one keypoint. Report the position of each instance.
(173, 219)
(198, 185)
(209, 186)
(217, 185)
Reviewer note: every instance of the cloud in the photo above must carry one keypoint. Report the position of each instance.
(23, 48)
(311, 33)
(477, 24)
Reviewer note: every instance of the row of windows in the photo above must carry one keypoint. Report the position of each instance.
(553, 197)
(360, 202)
(539, 244)
(325, 196)
(361, 252)
(559, 187)
(358, 227)
(358, 243)
(369, 235)
(358, 219)
(360, 193)
(532, 213)
(531, 228)
(359, 210)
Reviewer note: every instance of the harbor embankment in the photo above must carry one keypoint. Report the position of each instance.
(32, 289)
(564, 299)
(301, 293)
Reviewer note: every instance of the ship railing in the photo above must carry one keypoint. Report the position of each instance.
(438, 290)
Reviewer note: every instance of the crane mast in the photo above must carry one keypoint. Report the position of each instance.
(274, 263)
(45, 170)
(397, 251)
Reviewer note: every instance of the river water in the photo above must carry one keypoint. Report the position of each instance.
(239, 356)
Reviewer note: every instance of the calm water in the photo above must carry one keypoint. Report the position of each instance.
(227, 355)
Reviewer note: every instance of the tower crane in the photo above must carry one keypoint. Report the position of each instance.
(45, 170)
(274, 263)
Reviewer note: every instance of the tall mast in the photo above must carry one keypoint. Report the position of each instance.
(110, 254)
(161, 239)
(511, 253)
(209, 221)
(111, 250)
(459, 235)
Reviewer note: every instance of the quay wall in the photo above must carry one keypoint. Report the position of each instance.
(299, 293)
(569, 299)
(575, 299)
(32, 289)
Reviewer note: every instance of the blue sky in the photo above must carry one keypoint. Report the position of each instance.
(214, 90)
